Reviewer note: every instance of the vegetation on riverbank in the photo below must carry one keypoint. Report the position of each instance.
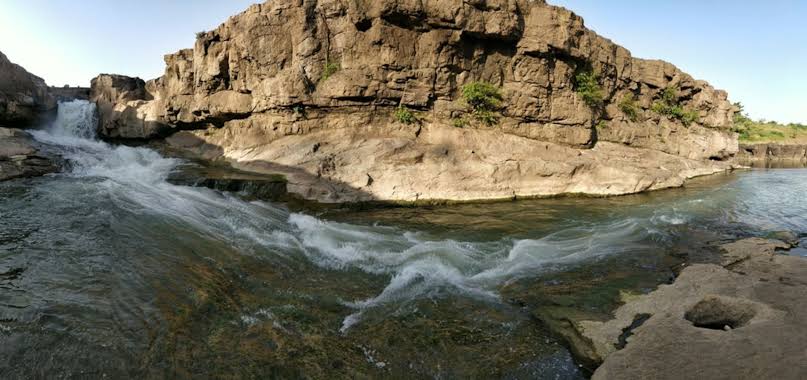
(764, 131)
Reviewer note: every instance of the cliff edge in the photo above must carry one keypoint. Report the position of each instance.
(24, 97)
(380, 100)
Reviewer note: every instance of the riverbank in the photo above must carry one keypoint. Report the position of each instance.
(740, 318)
(773, 155)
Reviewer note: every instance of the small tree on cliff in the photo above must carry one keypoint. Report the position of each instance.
(484, 99)
(587, 85)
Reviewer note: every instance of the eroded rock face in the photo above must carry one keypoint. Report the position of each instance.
(286, 69)
(123, 107)
(24, 97)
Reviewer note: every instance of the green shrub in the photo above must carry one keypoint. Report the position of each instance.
(484, 99)
(587, 85)
(459, 122)
(669, 106)
(329, 70)
(482, 96)
(629, 107)
(404, 115)
(489, 118)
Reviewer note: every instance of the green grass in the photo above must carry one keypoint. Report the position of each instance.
(762, 131)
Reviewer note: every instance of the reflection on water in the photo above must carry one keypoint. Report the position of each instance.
(108, 270)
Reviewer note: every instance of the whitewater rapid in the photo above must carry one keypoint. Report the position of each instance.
(134, 178)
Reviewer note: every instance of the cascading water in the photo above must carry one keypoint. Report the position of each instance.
(419, 266)
(120, 266)
(77, 118)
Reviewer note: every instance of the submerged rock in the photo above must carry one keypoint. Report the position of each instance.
(270, 84)
(21, 156)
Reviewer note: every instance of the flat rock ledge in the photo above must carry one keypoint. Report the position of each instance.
(742, 319)
(21, 156)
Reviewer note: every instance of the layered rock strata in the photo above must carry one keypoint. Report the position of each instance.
(24, 97)
(773, 155)
(311, 89)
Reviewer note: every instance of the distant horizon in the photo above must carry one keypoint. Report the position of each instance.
(91, 38)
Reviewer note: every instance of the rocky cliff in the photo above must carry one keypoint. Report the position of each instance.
(24, 97)
(362, 100)
(773, 155)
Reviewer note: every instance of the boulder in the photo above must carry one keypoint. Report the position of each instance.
(21, 156)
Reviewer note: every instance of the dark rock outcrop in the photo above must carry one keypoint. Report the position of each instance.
(24, 97)
(67, 93)
(21, 156)
(287, 74)
(773, 155)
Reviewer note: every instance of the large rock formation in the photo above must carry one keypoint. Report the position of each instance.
(310, 89)
(24, 97)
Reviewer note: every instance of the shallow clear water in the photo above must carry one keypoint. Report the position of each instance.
(107, 269)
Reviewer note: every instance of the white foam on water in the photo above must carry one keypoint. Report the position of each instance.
(135, 180)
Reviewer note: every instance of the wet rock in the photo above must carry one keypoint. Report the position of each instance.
(249, 185)
(744, 320)
(21, 156)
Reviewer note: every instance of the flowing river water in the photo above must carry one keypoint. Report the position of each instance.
(107, 270)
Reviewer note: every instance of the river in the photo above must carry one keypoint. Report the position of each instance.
(108, 270)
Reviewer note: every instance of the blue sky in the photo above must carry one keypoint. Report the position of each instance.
(756, 50)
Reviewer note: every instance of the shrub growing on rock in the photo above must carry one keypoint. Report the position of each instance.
(459, 122)
(329, 70)
(669, 106)
(587, 85)
(484, 99)
(482, 96)
(404, 115)
(629, 107)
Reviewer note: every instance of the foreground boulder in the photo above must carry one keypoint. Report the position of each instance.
(24, 97)
(365, 99)
(21, 156)
(741, 319)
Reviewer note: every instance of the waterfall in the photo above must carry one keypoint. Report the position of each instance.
(77, 118)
